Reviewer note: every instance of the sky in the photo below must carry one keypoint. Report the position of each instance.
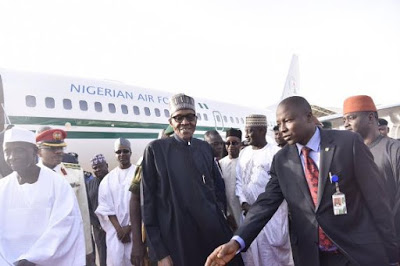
(235, 51)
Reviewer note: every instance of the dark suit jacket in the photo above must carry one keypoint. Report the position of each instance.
(365, 235)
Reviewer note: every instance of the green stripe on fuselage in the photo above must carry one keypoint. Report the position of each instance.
(115, 135)
(99, 123)
(110, 135)
(16, 120)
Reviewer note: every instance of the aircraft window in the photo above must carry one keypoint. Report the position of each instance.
(157, 112)
(50, 102)
(111, 108)
(98, 107)
(83, 105)
(218, 118)
(198, 116)
(241, 120)
(231, 118)
(136, 110)
(237, 120)
(225, 119)
(166, 113)
(147, 111)
(124, 109)
(30, 101)
(205, 117)
(67, 104)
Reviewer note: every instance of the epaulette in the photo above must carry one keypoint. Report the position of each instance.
(72, 166)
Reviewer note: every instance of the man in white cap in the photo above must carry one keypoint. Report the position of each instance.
(41, 223)
(113, 209)
(272, 245)
(181, 214)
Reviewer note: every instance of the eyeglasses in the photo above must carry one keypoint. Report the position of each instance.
(124, 151)
(233, 143)
(189, 118)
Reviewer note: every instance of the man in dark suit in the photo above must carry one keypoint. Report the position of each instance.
(362, 236)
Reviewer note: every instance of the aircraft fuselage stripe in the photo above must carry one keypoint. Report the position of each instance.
(26, 120)
(114, 125)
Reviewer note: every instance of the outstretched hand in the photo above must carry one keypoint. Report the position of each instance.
(223, 254)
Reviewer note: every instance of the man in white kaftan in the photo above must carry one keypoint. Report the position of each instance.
(113, 209)
(228, 168)
(272, 245)
(40, 219)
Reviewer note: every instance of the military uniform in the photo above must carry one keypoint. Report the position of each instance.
(73, 173)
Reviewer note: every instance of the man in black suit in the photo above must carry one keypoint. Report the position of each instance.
(362, 236)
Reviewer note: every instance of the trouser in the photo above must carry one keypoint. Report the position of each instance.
(100, 239)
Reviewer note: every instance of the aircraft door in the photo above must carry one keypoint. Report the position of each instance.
(219, 122)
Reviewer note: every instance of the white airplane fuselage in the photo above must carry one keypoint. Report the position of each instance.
(97, 112)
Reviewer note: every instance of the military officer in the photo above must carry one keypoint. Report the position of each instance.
(51, 150)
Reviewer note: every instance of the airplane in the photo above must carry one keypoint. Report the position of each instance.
(96, 112)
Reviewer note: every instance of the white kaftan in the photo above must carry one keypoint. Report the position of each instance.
(74, 176)
(40, 222)
(114, 197)
(228, 167)
(272, 245)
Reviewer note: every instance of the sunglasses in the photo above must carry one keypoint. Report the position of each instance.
(124, 151)
(233, 143)
(189, 118)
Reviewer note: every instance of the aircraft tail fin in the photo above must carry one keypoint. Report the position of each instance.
(292, 84)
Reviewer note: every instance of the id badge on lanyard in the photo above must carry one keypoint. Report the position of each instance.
(338, 198)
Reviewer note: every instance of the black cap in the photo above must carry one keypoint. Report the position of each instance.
(234, 133)
(382, 122)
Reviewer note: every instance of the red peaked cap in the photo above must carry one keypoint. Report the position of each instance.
(358, 103)
(52, 138)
